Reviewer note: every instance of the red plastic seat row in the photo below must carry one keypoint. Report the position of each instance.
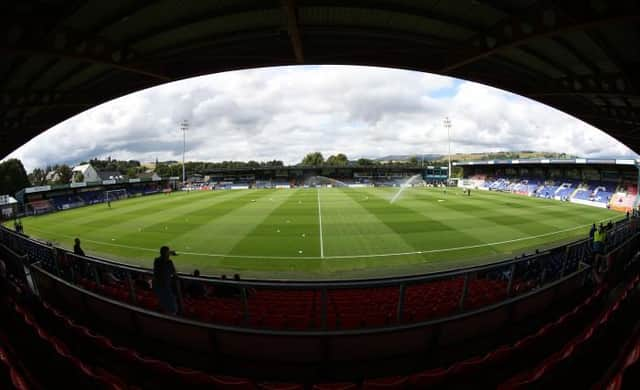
(530, 377)
(97, 376)
(156, 366)
(15, 378)
(390, 383)
(351, 308)
(631, 361)
(629, 364)
(498, 356)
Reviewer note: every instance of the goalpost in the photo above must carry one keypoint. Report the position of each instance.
(111, 195)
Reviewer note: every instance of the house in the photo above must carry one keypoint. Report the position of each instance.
(52, 176)
(110, 175)
(8, 206)
(85, 173)
(149, 176)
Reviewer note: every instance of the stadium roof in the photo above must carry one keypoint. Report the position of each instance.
(62, 57)
(572, 161)
(6, 200)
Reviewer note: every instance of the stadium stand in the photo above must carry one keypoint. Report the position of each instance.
(600, 338)
(596, 194)
(10, 377)
(93, 359)
(624, 201)
(627, 375)
(40, 207)
(47, 200)
(87, 358)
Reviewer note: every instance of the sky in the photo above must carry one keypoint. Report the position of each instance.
(283, 113)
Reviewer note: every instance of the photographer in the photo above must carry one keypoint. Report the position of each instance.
(164, 278)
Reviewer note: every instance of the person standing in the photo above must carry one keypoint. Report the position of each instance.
(164, 277)
(599, 238)
(77, 250)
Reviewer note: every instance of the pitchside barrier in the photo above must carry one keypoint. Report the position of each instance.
(332, 305)
(520, 290)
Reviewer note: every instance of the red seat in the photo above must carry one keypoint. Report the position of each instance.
(226, 382)
(281, 386)
(396, 382)
(428, 378)
(335, 386)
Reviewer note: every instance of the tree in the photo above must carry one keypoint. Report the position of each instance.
(313, 159)
(13, 177)
(132, 172)
(38, 177)
(413, 160)
(64, 174)
(365, 162)
(78, 177)
(273, 163)
(338, 160)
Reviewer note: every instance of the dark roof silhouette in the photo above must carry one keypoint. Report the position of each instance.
(60, 58)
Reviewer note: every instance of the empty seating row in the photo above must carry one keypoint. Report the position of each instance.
(144, 371)
(10, 377)
(53, 359)
(486, 371)
(149, 372)
(628, 376)
(301, 309)
(542, 373)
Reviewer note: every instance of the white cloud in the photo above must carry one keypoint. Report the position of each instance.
(283, 113)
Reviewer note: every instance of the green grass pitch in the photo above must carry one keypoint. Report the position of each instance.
(325, 233)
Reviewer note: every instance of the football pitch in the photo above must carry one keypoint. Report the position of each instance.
(320, 233)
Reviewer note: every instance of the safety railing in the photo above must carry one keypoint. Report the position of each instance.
(326, 305)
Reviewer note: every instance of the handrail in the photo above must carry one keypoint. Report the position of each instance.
(536, 280)
(381, 282)
(314, 332)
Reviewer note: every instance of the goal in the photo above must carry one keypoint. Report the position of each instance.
(112, 195)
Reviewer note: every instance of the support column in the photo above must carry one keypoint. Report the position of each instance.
(465, 287)
(400, 307)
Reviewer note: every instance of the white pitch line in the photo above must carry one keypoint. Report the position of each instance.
(452, 249)
(320, 223)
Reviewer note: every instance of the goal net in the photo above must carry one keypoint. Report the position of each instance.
(112, 195)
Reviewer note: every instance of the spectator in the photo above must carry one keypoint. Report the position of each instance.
(195, 288)
(164, 275)
(17, 226)
(80, 266)
(77, 250)
(592, 232)
(598, 240)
